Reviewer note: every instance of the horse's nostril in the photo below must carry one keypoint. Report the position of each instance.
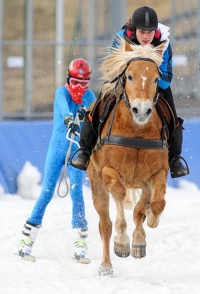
(135, 110)
(149, 111)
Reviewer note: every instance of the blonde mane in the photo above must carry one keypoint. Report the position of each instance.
(116, 60)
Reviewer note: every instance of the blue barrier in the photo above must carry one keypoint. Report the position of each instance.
(191, 152)
(20, 142)
(28, 141)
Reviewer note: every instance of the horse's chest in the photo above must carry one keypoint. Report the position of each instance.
(136, 164)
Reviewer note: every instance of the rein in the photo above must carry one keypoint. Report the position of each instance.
(132, 142)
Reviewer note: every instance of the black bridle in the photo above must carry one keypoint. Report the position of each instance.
(121, 80)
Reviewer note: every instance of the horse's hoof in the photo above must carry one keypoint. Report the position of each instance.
(105, 272)
(138, 251)
(122, 251)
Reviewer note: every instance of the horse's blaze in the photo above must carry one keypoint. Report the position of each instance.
(138, 251)
(122, 251)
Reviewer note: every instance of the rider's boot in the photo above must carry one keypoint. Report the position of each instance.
(28, 238)
(81, 243)
(177, 169)
(87, 140)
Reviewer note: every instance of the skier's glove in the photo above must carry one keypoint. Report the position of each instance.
(81, 113)
(71, 125)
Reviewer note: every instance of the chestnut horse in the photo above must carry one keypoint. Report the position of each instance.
(130, 153)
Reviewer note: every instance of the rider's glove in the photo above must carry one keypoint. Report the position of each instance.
(71, 125)
(81, 113)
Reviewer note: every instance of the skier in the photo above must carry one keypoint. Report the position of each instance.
(70, 100)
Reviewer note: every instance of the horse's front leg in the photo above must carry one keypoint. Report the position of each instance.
(118, 191)
(155, 207)
(101, 203)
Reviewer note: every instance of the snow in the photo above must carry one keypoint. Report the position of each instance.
(173, 252)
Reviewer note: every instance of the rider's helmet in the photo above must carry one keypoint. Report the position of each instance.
(80, 69)
(145, 18)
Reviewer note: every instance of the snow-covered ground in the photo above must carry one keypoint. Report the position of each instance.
(172, 264)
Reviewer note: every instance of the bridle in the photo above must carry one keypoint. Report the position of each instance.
(130, 142)
(121, 81)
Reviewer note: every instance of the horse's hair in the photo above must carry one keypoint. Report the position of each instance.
(116, 61)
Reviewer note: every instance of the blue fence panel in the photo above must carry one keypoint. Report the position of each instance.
(28, 141)
(20, 142)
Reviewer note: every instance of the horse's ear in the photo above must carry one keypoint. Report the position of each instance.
(159, 49)
(127, 46)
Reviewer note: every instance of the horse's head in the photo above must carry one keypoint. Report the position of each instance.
(133, 71)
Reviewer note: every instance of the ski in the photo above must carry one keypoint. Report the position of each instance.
(83, 260)
(26, 257)
(29, 258)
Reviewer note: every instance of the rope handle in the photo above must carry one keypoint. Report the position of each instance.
(64, 174)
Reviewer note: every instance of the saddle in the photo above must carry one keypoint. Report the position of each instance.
(166, 115)
(101, 110)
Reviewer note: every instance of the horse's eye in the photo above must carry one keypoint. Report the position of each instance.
(129, 77)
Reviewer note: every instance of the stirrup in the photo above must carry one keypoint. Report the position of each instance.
(78, 162)
(185, 169)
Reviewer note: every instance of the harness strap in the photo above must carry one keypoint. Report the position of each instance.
(134, 142)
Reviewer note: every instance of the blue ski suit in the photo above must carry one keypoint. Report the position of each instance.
(55, 159)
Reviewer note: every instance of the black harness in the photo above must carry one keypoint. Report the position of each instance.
(130, 142)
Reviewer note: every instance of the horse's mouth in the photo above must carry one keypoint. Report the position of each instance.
(140, 121)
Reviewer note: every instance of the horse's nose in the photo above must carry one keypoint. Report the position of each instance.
(149, 111)
(136, 111)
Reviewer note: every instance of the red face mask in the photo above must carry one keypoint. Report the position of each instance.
(76, 89)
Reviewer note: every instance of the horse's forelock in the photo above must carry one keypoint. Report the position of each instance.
(115, 62)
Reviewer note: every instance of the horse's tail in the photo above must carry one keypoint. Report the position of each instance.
(132, 196)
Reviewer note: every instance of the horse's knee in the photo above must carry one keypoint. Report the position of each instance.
(111, 180)
(153, 212)
(157, 207)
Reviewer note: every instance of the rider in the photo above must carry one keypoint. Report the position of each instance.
(70, 104)
(143, 28)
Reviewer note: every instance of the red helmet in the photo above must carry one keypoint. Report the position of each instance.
(80, 69)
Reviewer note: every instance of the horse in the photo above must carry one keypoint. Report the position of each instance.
(131, 153)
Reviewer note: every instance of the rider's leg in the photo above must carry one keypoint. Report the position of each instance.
(88, 139)
(177, 169)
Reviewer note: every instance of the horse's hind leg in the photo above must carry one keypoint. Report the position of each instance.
(118, 191)
(139, 235)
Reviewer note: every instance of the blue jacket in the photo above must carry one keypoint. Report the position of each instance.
(55, 159)
(166, 66)
(64, 105)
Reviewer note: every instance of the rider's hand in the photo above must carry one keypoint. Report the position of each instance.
(81, 113)
(71, 125)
